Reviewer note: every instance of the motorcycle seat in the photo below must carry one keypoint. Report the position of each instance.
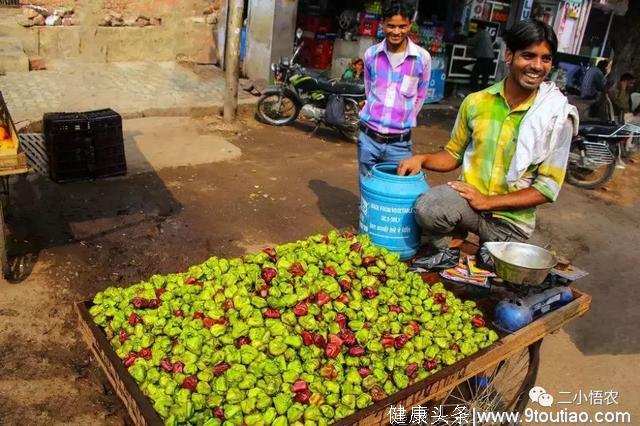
(341, 87)
(598, 128)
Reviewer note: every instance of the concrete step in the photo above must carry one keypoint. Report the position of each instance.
(12, 56)
(10, 44)
(14, 62)
(8, 24)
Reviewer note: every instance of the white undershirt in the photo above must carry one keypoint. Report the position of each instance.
(396, 58)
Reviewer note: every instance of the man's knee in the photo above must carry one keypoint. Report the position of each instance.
(433, 209)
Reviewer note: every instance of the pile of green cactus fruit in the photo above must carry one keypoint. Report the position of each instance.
(303, 333)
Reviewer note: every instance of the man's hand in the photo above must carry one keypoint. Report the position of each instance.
(476, 199)
(410, 166)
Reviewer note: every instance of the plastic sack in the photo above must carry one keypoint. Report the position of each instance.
(442, 259)
(334, 113)
(484, 259)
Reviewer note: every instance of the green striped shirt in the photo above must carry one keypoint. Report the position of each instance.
(484, 141)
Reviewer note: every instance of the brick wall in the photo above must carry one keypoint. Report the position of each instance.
(184, 32)
(156, 8)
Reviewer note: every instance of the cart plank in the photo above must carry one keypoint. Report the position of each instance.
(433, 387)
(139, 406)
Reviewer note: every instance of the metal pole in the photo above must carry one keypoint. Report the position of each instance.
(232, 59)
(606, 35)
(582, 25)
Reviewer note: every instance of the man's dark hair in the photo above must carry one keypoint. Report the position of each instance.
(603, 64)
(482, 26)
(530, 31)
(627, 76)
(404, 8)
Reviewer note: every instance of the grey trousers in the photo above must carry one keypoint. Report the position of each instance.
(441, 212)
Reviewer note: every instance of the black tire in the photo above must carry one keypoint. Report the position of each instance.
(578, 176)
(351, 130)
(4, 259)
(502, 388)
(266, 113)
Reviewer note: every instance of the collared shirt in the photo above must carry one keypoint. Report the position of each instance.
(395, 95)
(484, 140)
(593, 83)
(621, 99)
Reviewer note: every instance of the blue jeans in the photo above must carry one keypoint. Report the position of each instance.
(371, 153)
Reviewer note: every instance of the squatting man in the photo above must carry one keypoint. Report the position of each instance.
(512, 143)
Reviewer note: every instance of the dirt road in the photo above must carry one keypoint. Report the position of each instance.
(285, 186)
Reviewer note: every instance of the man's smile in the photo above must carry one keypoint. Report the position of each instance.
(533, 76)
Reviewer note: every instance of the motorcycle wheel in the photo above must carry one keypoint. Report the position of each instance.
(277, 109)
(587, 178)
(350, 129)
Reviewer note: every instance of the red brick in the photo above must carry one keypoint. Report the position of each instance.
(37, 63)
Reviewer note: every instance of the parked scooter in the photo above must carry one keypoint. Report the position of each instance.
(298, 91)
(596, 151)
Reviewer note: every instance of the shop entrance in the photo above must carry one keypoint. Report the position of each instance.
(335, 33)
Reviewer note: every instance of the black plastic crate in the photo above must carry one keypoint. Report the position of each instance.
(85, 145)
(109, 161)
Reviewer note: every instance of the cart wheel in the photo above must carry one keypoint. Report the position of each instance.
(503, 388)
(4, 261)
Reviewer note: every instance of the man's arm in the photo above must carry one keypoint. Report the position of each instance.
(545, 188)
(441, 161)
(450, 158)
(423, 85)
(367, 74)
(522, 199)
(600, 82)
(471, 42)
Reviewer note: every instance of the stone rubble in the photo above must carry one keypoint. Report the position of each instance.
(33, 15)
(115, 19)
(38, 20)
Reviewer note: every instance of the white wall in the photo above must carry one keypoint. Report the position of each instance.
(270, 34)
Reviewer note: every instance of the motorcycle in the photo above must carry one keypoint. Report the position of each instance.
(596, 151)
(297, 91)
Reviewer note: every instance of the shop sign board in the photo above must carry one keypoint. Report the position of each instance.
(462, 63)
(477, 9)
(527, 5)
(492, 27)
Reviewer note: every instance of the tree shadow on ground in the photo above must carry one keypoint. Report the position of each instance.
(44, 214)
(339, 206)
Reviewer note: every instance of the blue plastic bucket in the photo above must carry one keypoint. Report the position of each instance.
(387, 208)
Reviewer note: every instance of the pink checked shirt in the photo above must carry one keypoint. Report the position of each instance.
(394, 95)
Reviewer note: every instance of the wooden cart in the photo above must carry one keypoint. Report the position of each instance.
(13, 162)
(506, 369)
(5, 174)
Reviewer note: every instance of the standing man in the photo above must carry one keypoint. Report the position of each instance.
(594, 81)
(396, 77)
(482, 49)
(593, 88)
(512, 141)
